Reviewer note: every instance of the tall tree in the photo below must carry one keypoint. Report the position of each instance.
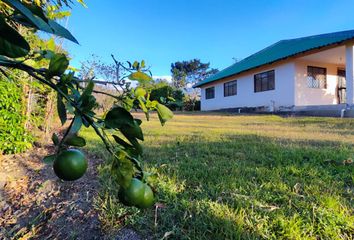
(191, 71)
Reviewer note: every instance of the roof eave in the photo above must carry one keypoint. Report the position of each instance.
(278, 60)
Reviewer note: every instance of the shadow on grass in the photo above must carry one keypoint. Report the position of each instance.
(251, 187)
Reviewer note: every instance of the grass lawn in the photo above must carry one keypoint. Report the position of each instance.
(242, 177)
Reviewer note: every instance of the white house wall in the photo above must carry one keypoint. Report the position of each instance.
(305, 96)
(281, 96)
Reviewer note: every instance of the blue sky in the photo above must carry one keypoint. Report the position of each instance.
(215, 31)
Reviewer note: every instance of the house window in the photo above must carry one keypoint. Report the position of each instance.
(230, 88)
(264, 81)
(210, 93)
(316, 77)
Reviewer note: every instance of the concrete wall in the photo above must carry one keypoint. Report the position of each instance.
(305, 96)
(282, 96)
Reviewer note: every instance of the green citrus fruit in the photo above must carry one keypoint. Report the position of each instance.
(70, 165)
(122, 198)
(134, 194)
(137, 194)
(148, 199)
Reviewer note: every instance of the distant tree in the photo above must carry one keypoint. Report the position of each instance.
(187, 73)
(191, 71)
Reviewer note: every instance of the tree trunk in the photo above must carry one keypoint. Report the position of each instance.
(28, 101)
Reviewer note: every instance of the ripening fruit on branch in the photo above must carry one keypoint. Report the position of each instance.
(70, 165)
(148, 199)
(138, 194)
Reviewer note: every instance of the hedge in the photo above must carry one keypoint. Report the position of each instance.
(13, 135)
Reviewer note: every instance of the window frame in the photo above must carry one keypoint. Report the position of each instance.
(208, 95)
(229, 87)
(263, 82)
(313, 78)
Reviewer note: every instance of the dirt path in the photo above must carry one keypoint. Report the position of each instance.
(35, 204)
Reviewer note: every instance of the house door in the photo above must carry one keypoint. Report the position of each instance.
(341, 93)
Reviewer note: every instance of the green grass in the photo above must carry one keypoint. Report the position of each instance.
(242, 177)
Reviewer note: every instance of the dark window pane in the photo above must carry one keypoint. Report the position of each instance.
(271, 83)
(264, 81)
(258, 84)
(209, 93)
(230, 88)
(264, 84)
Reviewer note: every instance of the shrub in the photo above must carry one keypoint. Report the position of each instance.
(165, 93)
(13, 135)
(191, 104)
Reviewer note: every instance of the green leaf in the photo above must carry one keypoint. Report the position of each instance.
(142, 105)
(142, 64)
(75, 94)
(67, 78)
(139, 92)
(51, 44)
(57, 66)
(37, 21)
(128, 103)
(12, 44)
(88, 90)
(138, 121)
(75, 128)
(152, 104)
(61, 109)
(136, 65)
(88, 101)
(49, 159)
(134, 150)
(7, 61)
(133, 131)
(88, 104)
(37, 11)
(55, 139)
(164, 113)
(138, 150)
(75, 141)
(36, 17)
(140, 77)
(123, 169)
(86, 122)
(118, 117)
(121, 142)
(61, 31)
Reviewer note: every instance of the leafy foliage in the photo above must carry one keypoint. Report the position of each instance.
(168, 95)
(13, 135)
(191, 104)
(12, 44)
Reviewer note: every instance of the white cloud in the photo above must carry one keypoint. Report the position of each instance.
(167, 78)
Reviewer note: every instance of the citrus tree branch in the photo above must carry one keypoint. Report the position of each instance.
(36, 72)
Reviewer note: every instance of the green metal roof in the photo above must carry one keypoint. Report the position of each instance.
(279, 51)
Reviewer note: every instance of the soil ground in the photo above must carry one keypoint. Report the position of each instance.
(35, 204)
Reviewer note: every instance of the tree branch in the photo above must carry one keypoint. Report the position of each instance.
(97, 81)
(35, 72)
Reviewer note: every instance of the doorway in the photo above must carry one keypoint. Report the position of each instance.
(341, 87)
